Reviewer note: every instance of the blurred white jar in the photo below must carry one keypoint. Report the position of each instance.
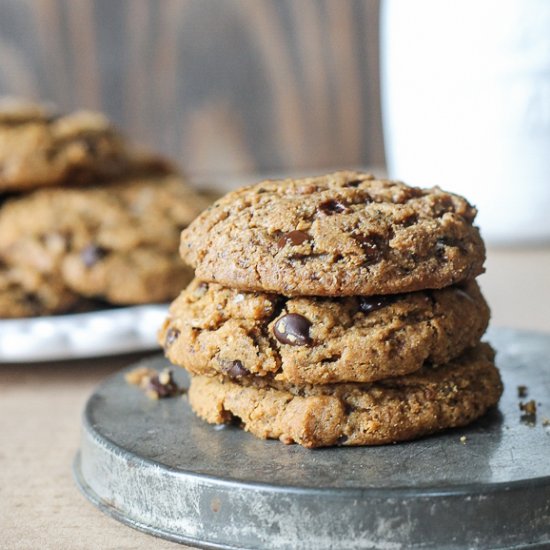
(466, 106)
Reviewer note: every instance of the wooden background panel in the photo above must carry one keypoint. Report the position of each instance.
(223, 86)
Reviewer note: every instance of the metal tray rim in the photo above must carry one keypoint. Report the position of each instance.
(404, 491)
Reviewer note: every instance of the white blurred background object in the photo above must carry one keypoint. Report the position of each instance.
(75, 336)
(466, 105)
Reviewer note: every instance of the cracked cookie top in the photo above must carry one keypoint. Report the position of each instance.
(341, 234)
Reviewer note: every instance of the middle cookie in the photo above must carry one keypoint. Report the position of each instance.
(306, 340)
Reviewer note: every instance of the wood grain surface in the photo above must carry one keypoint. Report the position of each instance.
(223, 86)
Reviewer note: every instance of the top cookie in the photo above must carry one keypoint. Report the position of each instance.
(340, 234)
(40, 149)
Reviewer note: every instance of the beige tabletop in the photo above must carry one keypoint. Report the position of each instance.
(40, 406)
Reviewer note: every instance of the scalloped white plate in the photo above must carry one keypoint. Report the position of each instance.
(81, 335)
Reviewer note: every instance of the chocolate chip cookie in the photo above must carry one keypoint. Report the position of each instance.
(116, 242)
(345, 233)
(39, 148)
(213, 329)
(386, 411)
(27, 293)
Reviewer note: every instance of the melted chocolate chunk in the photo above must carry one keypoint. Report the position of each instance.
(171, 336)
(372, 245)
(368, 304)
(332, 206)
(293, 329)
(294, 238)
(92, 254)
(354, 183)
(234, 369)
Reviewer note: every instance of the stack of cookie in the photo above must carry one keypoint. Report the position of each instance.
(85, 220)
(335, 310)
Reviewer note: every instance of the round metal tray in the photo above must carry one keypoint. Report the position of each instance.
(156, 467)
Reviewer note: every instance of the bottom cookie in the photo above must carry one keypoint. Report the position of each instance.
(387, 411)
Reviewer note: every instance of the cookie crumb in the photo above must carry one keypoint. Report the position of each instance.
(463, 440)
(546, 422)
(156, 385)
(136, 376)
(530, 407)
(529, 416)
(162, 385)
(522, 391)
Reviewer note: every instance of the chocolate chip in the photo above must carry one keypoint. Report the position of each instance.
(171, 336)
(234, 369)
(294, 238)
(293, 329)
(368, 304)
(341, 440)
(332, 206)
(163, 385)
(372, 246)
(92, 254)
